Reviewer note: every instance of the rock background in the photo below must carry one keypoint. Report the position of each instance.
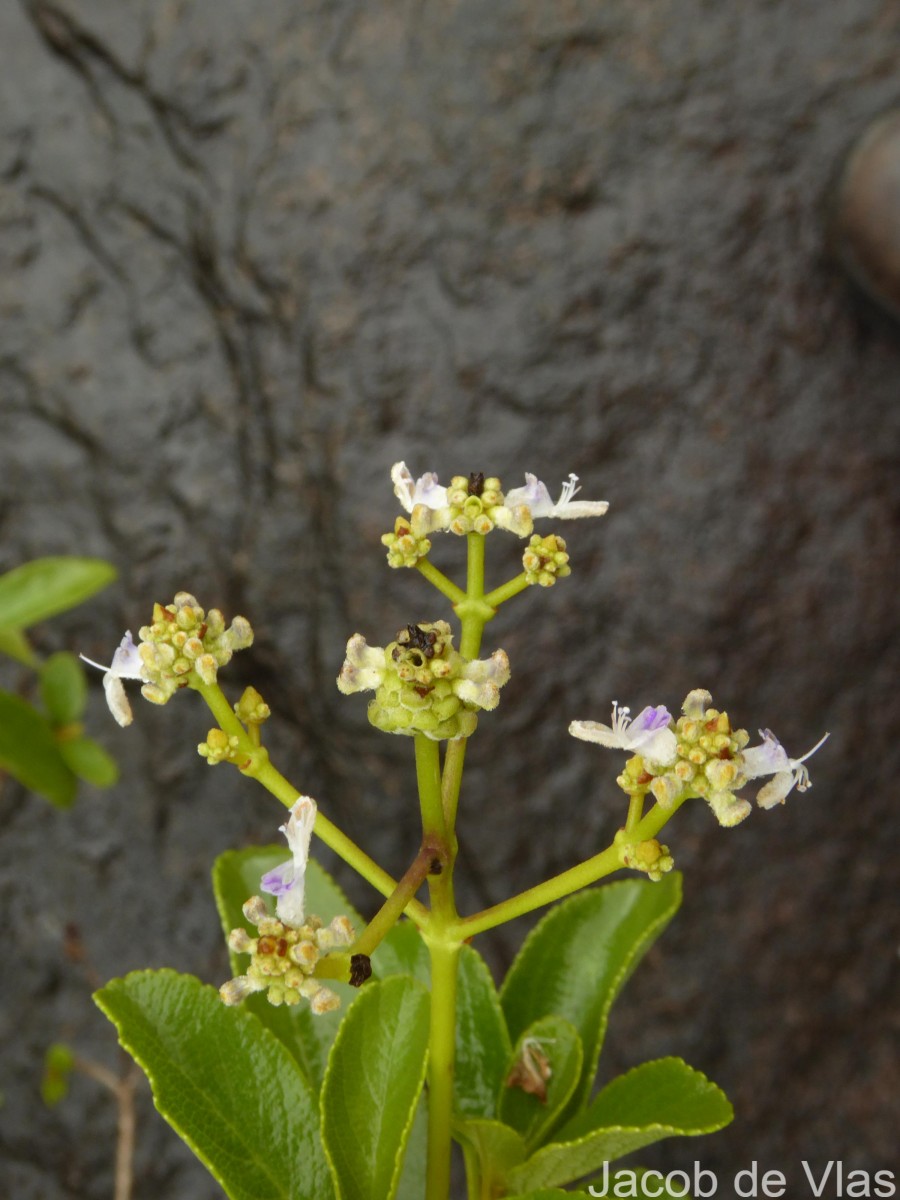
(252, 255)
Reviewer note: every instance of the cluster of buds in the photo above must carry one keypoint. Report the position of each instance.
(421, 684)
(699, 755)
(546, 560)
(283, 958)
(650, 856)
(182, 643)
(404, 548)
(183, 638)
(473, 504)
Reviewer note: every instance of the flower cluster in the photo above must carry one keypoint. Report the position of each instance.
(284, 955)
(699, 755)
(546, 560)
(473, 504)
(283, 958)
(182, 642)
(422, 684)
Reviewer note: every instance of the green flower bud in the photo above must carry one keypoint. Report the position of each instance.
(422, 684)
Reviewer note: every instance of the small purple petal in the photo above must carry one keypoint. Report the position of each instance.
(534, 495)
(650, 719)
(279, 880)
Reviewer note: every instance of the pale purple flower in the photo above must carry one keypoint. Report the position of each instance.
(647, 734)
(126, 664)
(424, 490)
(771, 758)
(287, 880)
(536, 498)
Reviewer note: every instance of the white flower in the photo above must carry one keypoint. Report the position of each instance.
(126, 664)
(424, 490)
(482, 679)
(287, 880)
(648, 734)
(363, 668)
(771, 758)
(537, 500)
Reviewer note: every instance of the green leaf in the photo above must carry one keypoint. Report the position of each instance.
(575, 961)
(47, 586)
(482, 1041)
(402, 952)
(89, 761)
(15, 645)
(224, 1084)
(375, 1074)
(554, 1042)
(63, 688)
(59, 1062)
(415, 1161)
(236, 875)
(657, 1100)
(29, 752)
(491, 1151)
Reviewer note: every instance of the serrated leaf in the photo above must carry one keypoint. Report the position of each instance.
(47, 586)
(402, 952)
(491, 1151)
(576, 960)
(553, 1042)
(236, 875)
(29, 752)
(415, 1160)
(224, 1083)
(660, 1099)
(89, 761)
(482, 1040)
(375, 1073)
(63, 688)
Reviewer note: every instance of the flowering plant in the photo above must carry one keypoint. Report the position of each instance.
(346, 1056)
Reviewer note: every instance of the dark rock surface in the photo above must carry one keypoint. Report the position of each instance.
(252, 255)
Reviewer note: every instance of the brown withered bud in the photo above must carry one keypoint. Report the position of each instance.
(360, 969)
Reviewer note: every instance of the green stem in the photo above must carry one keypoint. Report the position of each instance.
(635, 811)
(451, 781)
(573, 880)
(428, 778)
(441, 1055)
(397, 903)
(439, 580)
(507, 590)
(258, 767)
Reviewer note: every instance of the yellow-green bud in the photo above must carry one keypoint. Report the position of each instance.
(251, 708)
(403, 546)
(545, 560)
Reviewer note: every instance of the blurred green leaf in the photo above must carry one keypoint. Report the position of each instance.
(14, 644)
(576, 960)
(89, 761)
(235, 876)
(58, 1063)
(29, 752)
(47, 586)
(375, 1074)
(225, 1085)
(63, 688)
